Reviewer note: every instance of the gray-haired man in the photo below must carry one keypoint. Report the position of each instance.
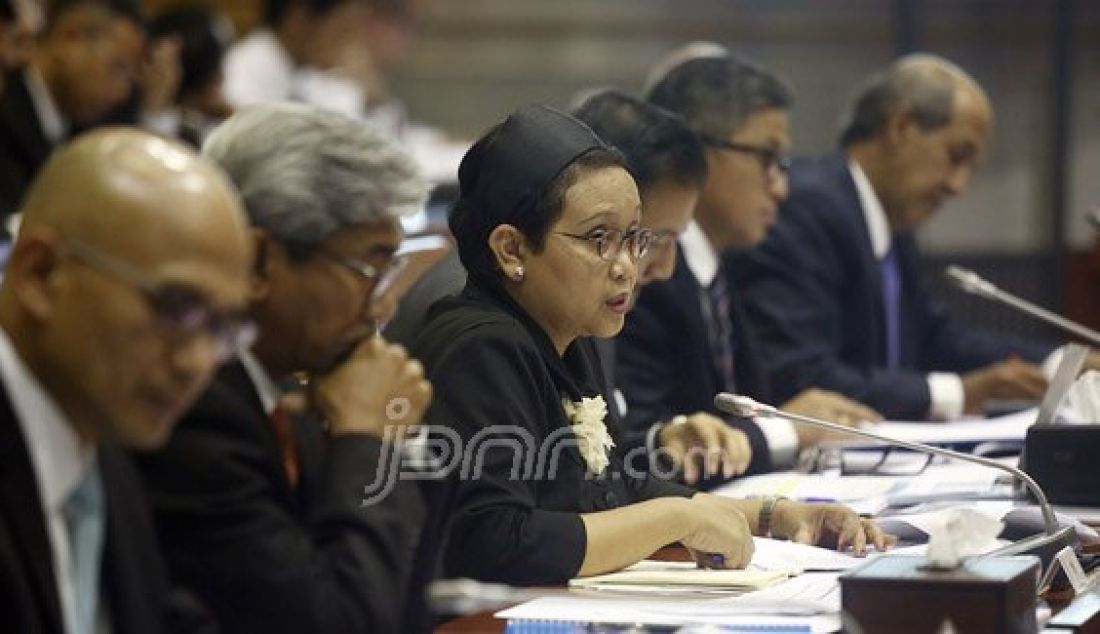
(835, 292)
(262, 513)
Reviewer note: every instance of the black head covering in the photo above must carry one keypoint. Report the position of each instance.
(503, 175)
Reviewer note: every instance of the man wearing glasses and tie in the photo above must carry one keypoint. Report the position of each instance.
(260, 509)
(687, 338)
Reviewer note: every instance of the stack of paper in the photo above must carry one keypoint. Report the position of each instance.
(676, 574)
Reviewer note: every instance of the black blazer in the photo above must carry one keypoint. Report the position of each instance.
(491, 365)
(134, 583)
(266, 557)
(664, 364)
(814, 295)
(23, 144)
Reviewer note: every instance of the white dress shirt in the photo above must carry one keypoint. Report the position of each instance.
(259, 70)
(261, 380)
(703, 261)
(58, 458)
(54, 125)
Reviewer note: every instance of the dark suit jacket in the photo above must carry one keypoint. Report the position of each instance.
(814, 295)
(497, 376)
(664, 364)
(134, 583)
(23, 144)
(266, 557)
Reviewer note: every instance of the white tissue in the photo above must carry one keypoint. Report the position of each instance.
(1082, 401)
(956, 533)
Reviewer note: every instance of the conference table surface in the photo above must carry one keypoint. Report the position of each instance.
(1088, 604)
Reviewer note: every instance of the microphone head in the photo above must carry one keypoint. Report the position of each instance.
(968, 280)
(739, 405)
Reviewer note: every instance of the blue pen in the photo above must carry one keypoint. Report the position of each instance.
(820, 500)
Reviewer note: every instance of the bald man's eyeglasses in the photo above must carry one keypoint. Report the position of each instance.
(179, 310)
(776, 164)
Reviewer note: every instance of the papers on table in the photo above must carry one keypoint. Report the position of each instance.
(809, 603)
(774, 554)
(678, 574)
(1000, 428)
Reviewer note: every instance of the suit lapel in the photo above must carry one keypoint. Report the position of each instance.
(867, 265)
(690, 297)
(24, 126)
(20, 511)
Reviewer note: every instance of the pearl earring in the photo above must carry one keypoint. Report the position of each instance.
(518, 274)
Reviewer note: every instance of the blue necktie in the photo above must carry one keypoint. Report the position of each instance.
(891, 304)
(721, 331)
(86, 522)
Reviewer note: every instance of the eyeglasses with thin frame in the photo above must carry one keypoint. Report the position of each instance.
(661, 239)
(776, 164)
(885, 461)
(179, 310)
(610, 242)
(382, 277)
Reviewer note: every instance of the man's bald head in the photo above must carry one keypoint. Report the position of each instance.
(925, 86)
(160, 191)
(132, 255)
(918, 131)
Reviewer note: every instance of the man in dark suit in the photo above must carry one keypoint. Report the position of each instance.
(275, 520)
(835, 292)
(687, 338)
(84, 65)
(123, 291)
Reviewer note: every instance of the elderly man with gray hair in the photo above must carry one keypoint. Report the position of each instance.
(261, 510)
(835, 293)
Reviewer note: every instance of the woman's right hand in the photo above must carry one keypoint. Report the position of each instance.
(718, 534)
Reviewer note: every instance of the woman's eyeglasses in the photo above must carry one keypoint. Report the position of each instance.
(610, 242)
(179, 310)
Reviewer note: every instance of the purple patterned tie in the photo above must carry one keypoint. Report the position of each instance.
(891, 304)
(721, 330)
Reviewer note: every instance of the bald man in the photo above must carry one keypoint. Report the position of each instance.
(835, 293)
(124, 290)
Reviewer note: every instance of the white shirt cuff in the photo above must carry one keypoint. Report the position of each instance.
(782, 440)
(946, 395)
(1050, 364)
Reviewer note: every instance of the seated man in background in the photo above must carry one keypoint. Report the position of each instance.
(263, 513)
(85, 65)
(835, 292)
(687, 339)
(126, 287)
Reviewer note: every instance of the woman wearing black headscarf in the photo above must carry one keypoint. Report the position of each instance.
(547, 227)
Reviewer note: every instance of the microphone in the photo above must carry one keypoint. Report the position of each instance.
(973, 283)
(1094, 218)
(1046, 544)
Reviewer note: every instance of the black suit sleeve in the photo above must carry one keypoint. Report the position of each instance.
(263, 564)
(491, 389)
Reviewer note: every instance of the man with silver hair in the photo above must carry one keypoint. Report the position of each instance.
(262, 512)
(835, 293)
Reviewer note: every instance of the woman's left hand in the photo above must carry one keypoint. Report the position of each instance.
(829, 525)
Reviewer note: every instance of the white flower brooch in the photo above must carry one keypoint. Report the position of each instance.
(587, 418)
